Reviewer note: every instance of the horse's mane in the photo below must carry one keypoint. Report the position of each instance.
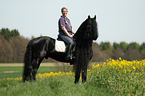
(87, 31)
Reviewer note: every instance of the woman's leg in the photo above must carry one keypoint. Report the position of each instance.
(69, 41)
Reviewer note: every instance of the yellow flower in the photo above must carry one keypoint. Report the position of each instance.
(120, 65)
(88, 70)
(137, 73)
(120, 58)
(124, 71)
(134, 68)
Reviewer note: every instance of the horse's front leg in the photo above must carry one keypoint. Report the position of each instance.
(77, 73)
(84, 73)
(77, 76)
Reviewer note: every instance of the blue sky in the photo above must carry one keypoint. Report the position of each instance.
(118, 20)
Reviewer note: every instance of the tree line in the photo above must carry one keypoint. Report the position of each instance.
(13, 47)
(106, 50)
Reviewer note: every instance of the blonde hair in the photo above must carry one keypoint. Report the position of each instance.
(63, 8)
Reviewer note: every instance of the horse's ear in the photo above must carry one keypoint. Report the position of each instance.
(95, 17)
(89, 17)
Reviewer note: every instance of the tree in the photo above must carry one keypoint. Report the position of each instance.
(5, 33)
(32, 37)
(133, 45)
(105, 46)
(118, 52)
(6, 50)
(123, 46)
(142, 49)
(133, 54)
(19, 44)
(115, 45)
(14, 33)
(98, 55)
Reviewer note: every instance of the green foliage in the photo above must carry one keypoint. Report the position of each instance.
(32, 37)
(115, 45)
(123, 46)
(7, 34)
(142, 48)
(14, 33)
(133, 45)
(124, 78)
(105, 46)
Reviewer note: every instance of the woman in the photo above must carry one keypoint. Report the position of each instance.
(66, 32)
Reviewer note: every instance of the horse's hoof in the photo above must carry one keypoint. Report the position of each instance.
(71, 63)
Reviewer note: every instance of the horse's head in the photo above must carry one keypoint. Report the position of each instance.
(91, 30)
(87, 31)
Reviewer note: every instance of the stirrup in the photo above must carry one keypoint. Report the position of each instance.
(68, 57)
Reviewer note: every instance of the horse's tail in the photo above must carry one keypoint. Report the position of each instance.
(27, 62)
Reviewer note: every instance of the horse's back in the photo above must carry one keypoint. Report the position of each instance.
(42, 39)
(41, 46)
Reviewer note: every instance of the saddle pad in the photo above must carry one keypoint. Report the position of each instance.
(60, 46)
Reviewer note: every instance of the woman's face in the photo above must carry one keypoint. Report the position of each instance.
(64, 13)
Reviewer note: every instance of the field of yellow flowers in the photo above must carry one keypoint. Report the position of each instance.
(120, 76)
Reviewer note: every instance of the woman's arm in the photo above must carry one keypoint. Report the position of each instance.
(65, 31)
(73, 31)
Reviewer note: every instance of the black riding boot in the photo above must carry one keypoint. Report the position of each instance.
(68, 54)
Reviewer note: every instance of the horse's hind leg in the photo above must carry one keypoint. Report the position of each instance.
(35, 65)
(28, 76)
(34, 71)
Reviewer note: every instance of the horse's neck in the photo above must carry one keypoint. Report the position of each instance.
(84, 43)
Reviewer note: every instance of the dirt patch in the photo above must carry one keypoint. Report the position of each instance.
(10, 71)
(10, 64)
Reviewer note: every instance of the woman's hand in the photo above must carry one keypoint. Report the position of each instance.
(71, 36)
(73, 31)
(65, 31)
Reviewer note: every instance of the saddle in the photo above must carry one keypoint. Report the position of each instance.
(60, 46)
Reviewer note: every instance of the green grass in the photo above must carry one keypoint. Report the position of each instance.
(52, 86)
(113, 77)
(10, 68)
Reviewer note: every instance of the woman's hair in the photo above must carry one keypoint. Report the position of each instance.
(63, 8)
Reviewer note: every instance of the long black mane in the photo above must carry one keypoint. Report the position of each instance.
(84, 37)
(44, 47)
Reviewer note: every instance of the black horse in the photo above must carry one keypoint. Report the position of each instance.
(44, 47)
